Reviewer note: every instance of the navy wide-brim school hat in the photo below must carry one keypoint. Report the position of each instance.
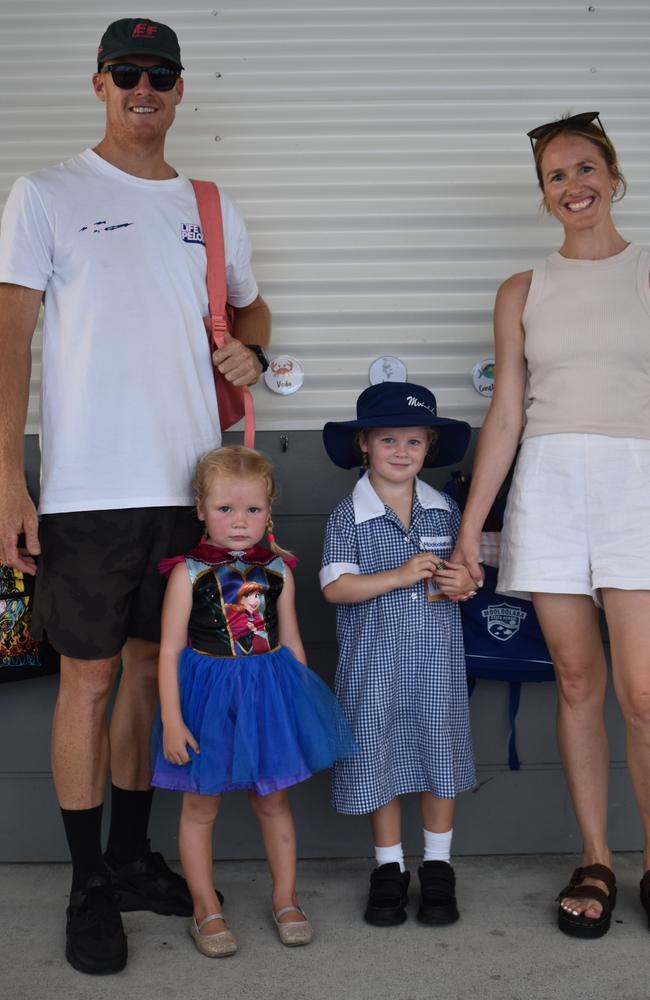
(397, 404)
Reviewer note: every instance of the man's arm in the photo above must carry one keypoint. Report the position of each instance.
(252, 325)
(19, 308)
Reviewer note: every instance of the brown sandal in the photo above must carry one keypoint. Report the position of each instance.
(577, 925)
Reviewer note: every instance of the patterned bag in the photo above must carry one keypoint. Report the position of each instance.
(20, 655)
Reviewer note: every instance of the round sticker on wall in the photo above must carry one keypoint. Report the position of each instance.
(483, 377)
(387, 369)
(284, 375)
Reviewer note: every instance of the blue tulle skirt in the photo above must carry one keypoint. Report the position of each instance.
(262, 721)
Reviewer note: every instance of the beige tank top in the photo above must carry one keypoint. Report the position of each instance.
(587, 346)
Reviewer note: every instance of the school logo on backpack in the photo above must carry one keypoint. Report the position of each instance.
(503, 621)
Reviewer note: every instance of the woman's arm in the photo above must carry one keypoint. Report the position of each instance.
(177, 606)
(503, 423)
(289, 633)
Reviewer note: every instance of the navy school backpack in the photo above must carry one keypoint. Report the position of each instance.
(502, 637)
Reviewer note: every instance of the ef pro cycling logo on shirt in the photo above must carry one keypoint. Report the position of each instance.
(503, 620)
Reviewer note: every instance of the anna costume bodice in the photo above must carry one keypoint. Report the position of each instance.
(234, 599)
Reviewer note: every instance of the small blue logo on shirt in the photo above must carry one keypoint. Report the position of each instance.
(103, 227)
(191, 233)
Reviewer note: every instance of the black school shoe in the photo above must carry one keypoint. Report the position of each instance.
(388, 896)
(437, 899)
(95, 938)
(148, 883)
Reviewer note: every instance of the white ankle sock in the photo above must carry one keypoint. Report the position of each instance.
(437, 846)
(385, 855)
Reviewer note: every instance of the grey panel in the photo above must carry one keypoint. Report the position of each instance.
(526, 811)
(511, 812)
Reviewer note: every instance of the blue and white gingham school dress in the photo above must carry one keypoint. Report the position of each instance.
(400, 678)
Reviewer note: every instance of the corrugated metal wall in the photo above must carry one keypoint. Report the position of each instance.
(379, 156)
(377, 151)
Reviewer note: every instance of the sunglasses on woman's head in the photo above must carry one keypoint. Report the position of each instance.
(584, 118)
(126, 76)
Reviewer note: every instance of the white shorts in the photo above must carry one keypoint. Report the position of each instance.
(577, 517)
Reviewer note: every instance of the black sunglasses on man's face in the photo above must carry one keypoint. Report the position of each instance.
(126, 76)
(584, 118)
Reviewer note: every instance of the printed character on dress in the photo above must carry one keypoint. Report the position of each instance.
(400, 678)
(239, 707)
(245, 622)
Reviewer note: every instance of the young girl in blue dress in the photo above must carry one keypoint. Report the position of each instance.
(400, 678)
(239, 708)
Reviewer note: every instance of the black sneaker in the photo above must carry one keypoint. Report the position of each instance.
(95, 938)
(438, 899)
(149, 884)
(388, 896)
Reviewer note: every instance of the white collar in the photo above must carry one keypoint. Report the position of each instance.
(367, 505)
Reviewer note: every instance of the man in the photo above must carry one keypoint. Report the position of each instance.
(111, 242)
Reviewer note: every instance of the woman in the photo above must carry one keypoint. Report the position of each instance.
(573, 369)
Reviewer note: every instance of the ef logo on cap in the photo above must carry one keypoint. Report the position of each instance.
(144, 30)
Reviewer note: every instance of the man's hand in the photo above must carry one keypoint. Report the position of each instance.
(18, 516)
(236, 363)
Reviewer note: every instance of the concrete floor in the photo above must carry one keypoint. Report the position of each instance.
(505, 946)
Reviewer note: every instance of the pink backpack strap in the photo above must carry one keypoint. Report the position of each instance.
(209, 205)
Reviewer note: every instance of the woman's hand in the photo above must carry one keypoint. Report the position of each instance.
(176, 739)
(454, 580)
(467, 554)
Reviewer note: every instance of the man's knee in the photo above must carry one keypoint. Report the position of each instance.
(87, 682)
(140, 661)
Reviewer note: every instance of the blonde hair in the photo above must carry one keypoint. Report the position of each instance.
(237, 462)
(597, 137)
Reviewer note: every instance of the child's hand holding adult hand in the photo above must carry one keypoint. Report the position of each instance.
(176, 739)
(419, 567)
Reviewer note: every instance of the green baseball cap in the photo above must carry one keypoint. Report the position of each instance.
(131, 36)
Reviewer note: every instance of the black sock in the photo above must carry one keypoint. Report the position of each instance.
(83, 829)
(130, 812)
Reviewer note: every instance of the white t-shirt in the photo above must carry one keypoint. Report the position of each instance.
(127, 392)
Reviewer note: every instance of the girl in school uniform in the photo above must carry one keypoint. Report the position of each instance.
(401, 672)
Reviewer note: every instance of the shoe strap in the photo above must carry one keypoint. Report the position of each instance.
(601, 872)
(576, 890)
(591, 892)
(206, 920)
(288, 909)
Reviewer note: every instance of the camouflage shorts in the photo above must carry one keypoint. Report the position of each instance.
(97, 582)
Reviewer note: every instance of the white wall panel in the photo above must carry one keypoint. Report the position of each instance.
(378, 153)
